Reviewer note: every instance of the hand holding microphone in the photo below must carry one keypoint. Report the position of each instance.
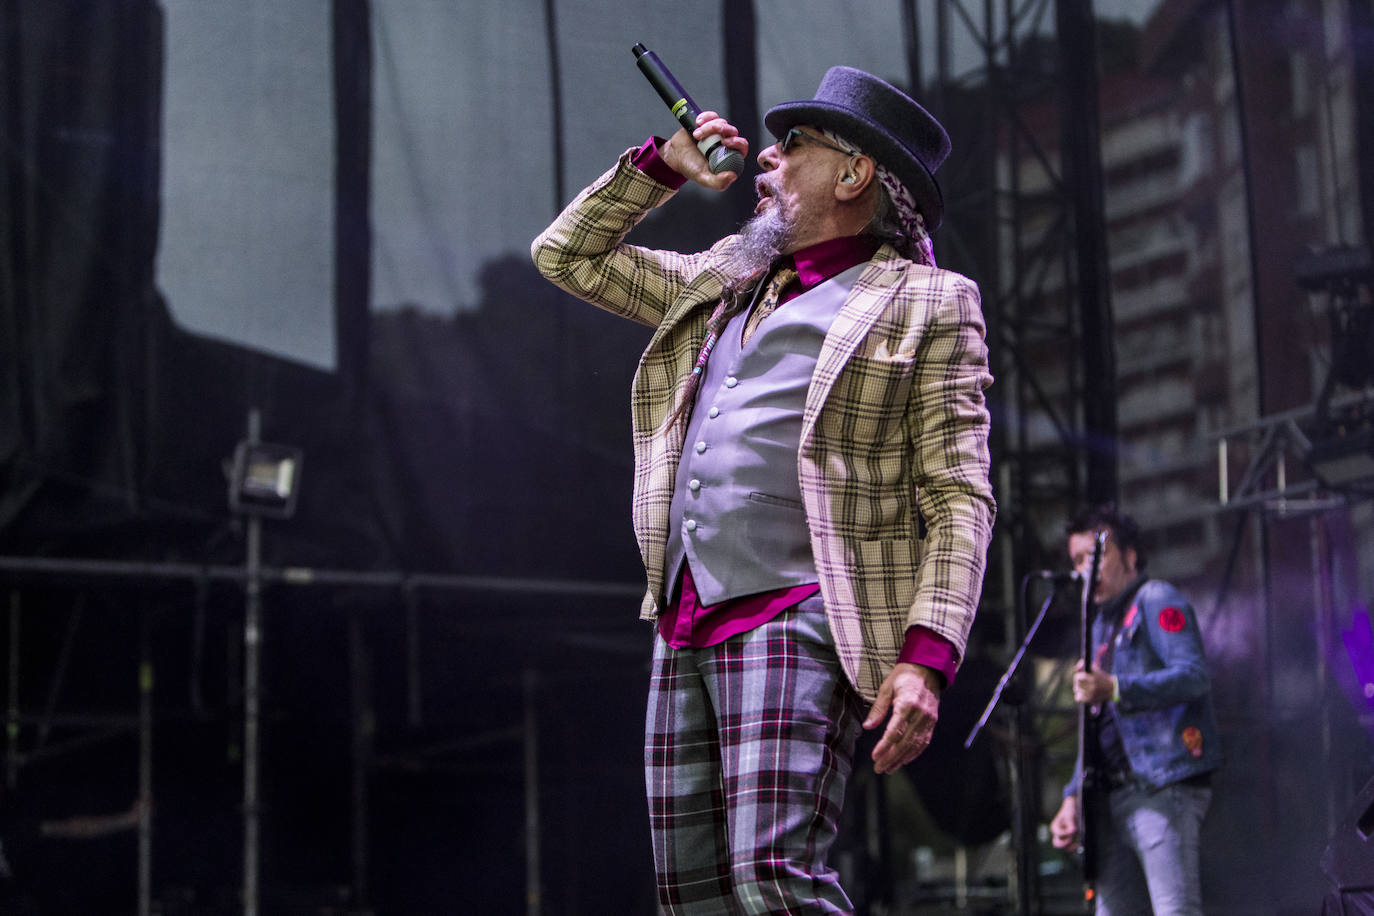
(720, 158)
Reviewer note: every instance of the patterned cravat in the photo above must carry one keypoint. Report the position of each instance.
(769, 301)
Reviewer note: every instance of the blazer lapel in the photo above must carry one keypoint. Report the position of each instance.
(865, 305)
(703, 292)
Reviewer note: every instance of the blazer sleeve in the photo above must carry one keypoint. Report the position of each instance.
(583, 251)
(948, 423)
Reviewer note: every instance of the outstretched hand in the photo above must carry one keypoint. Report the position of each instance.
(682, 155)
(911, 693)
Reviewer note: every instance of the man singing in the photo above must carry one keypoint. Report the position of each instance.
(811, 494)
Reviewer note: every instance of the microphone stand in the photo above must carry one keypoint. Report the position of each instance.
(1023, 828)
(1011, 670)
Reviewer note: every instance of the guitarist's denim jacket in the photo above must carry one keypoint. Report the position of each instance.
(1165, 712)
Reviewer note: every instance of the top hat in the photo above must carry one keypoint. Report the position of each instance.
(884, 122)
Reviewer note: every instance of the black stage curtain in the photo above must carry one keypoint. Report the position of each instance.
(77, 236)
(494, 443)
(458, 445)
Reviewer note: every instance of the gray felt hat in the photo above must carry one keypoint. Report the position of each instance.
(884, 122)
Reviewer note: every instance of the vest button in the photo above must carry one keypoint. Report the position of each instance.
(701, 447)
(694, 484)
(731, 382)
(691, 524)
(713, 412)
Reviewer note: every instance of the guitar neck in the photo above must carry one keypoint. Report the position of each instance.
(1087, 733)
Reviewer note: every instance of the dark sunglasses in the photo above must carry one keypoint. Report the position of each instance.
(789, 140)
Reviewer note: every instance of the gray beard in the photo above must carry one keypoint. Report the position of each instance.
(761, 240)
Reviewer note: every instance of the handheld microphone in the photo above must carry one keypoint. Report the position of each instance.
(719, 157)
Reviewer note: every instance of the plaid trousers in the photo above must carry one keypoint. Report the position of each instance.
(748, 747)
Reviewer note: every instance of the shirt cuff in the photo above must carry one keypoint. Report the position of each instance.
(648, 161)
(923, 646)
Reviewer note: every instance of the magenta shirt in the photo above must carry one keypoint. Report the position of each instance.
(689, 623)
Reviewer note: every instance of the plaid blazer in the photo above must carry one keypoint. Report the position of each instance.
(893, 459)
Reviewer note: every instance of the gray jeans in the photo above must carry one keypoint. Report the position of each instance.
(1148, 851)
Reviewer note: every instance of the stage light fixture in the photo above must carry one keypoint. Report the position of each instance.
(265, 479)
(1344, 460)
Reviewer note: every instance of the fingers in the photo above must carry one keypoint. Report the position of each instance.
(1092, 687)
(902, 742)
(716, 181)
(1078, 682)
(913, 706)
(684, 157)
(710, 124)
(719, 127)
(878, 711)
(1064, 828)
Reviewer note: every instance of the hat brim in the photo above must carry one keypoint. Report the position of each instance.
(875, 142)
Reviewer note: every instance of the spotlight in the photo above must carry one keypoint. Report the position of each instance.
(264, 479)
(1343, 460)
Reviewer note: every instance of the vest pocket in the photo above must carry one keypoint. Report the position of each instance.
(770, 500)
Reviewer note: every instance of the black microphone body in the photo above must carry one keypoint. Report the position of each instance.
(719, 157)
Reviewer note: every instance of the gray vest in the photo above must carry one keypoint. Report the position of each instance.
(737, 513)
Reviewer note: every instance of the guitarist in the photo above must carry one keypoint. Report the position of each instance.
(1149, 693)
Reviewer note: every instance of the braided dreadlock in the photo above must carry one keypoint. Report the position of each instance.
(734, 299)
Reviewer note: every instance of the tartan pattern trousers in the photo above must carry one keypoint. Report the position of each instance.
(748, 747)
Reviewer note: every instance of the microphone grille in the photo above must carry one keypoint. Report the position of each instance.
(724, 159)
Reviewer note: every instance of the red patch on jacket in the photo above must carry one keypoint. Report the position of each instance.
(1130, 615)
(1171, 620)
(1192, 740)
